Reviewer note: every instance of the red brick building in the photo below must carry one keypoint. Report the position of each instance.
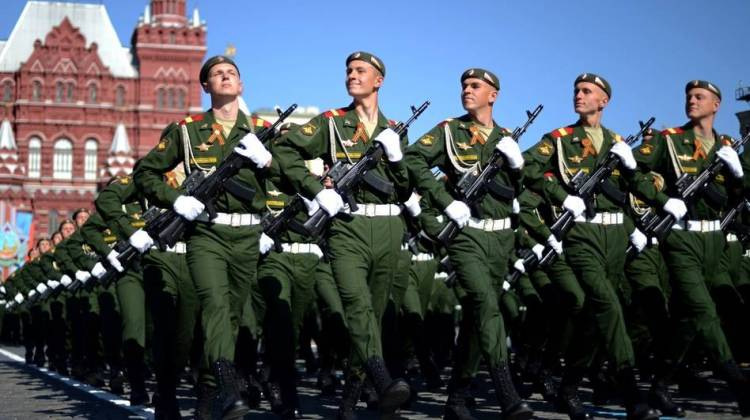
(77, 107)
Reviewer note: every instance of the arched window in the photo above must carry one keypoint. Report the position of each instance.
(52, 224)
(62, 161)
(181, 99)
(120, 96)
(93, 91)
(90, 160)
(71, 92)
(36, 91)
(59, 92)
(35, 157)
(171, 101)
(7, 91)
(160, 98)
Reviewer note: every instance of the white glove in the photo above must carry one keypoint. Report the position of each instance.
(141, 241)
(330, 201)
(555, 244)
(2, 290)
(459, 212)
(188, 207)
(114, 261)
(625, 153)
(98, 271)
(19, 298)
(312, 205)
(83, 276)
(538, 250)
(518, 265)
(3, 302)
(638, 239)
(509, 148)
(266, 243)
(32, 293)
(676, 208)
(54, 284)
(516, 207)
(251, 148)
(412, 205)
(731, 160)
(574, 204)
(41, 288)
(391, 143)
(65, 280)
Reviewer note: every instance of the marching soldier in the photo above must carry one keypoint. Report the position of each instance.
(362, 244)
(481, 251)
(693, 248)
(222, 252)
(595, 246)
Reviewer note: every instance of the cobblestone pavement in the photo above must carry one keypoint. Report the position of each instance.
(27, 392)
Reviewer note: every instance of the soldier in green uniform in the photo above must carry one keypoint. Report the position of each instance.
(481, 251)
(362, 244)
(693, 248)
(56, 338)
(595, 246)
(221, 252)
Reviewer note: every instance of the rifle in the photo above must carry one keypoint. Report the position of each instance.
(346, 177)
(472, 188)
(275, 226)
(583, 186)
(688, 188)
(169, 226)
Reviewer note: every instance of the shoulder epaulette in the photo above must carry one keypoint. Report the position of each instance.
(673, 130)
(260, 122)
(445, 122)
(335, 113)
(505, 131)
(726, 140)
(561, 132)
(192, 118)
(392, 123)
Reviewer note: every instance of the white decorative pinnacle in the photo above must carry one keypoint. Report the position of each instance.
(120, 142)
(7, 139)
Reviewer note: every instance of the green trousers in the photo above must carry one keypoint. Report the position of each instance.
(223, 262)
(132, 300)
(363, 254)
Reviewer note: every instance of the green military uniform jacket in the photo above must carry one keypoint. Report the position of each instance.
(207, 149)
(97, 238)
(49, 266)
(331, 136)
(454, 147)
(64, 261)
(562, 153)
(673, 152)
(121, 206)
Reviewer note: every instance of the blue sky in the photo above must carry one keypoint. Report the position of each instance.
(294, 51)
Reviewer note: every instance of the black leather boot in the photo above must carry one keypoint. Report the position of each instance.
(232, 405)
(738, 384)
(455, 406)
(135, 371)
(658, 395)
(206, 396)
(514, 408)
(392, 393)
(349, 398)
(567, 400)
(635, 405)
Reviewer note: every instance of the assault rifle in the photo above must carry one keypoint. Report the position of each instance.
(688, 187)
(347, 177)
(169, 226)
(473, 188)
(275, 226)
(584, 186)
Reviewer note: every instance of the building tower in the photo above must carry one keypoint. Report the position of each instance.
(743, 94)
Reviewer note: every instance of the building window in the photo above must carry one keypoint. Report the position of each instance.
(62, 162)
(7, 91)
(171, 102)
(89, 162)
(52, 225)
(172, 38)
(120, 96)
(59, 92)
(93, 91)
(35, 157)
(71, 91)
(36, 91)
(181, 99)
(160, 98)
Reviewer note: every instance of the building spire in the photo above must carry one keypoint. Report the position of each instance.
(7, 139)
(8, 150)
(196, 18)
(120, 160)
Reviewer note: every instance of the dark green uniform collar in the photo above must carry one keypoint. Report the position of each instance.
(350, 119)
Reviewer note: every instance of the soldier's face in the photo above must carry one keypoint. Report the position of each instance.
(67, 229)
(589, 98)
(700, 103)
(33, 254)
(81, 218)
(44, 246)
(57, 238)
(223, 80)
(477, 94)
(362, 79)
